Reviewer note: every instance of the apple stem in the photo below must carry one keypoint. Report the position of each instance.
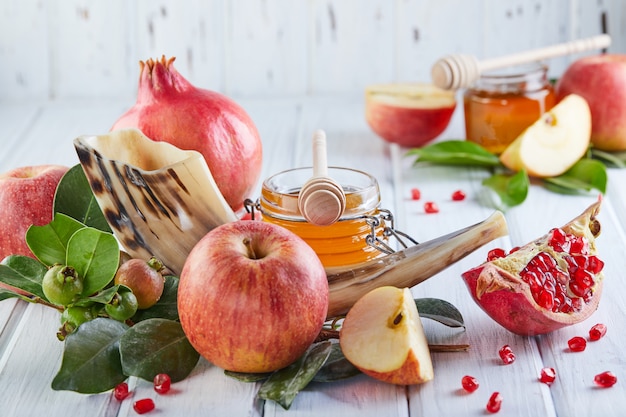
(248, 244)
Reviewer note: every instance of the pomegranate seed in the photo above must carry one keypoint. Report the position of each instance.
(495, 254)
(458, 195)
(469, 383)
(143, 406)
(577, 344)
(415, 194)
(605, 379)
(514, 249)
(162, 383)
(494, 403)
(597, 332)
(431, 207)
(121, 391)
(548, 375)
(506, 354)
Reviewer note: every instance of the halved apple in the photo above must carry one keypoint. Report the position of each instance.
(555, 142)
(382, 335)
(410, 115)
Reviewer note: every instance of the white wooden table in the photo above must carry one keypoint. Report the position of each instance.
(30, 354)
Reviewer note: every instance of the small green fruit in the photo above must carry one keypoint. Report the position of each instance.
(61, 284)
(122, 307)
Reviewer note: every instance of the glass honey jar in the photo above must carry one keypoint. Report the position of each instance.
(502, 104)
(353, 239)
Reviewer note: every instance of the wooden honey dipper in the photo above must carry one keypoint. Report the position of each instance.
(461, 71)
(321, 200)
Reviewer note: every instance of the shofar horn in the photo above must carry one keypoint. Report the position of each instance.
(410, 266)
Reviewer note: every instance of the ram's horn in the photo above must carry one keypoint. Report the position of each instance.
(410, 266)
(158, 199)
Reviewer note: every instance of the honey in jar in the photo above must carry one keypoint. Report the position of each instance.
(342, 243)
(500, 105)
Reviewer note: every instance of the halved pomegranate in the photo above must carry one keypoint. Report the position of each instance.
(552, 282)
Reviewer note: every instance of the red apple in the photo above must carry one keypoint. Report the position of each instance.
(601, 80)
(252, 296)
(26, 198)
(410, 115)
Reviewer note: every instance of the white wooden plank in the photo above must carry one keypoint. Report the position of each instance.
(23, 51)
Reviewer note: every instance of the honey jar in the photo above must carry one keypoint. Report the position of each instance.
(353, 238)
(500, 105)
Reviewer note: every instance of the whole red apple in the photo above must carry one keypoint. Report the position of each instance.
(252, 296)
(601, 80)
(26, 198)
(410, 115)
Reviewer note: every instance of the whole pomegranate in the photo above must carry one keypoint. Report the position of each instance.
(170, 109)
(552, 282)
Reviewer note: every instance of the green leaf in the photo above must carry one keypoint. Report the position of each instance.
(585, 175)
(440, 311)
(248, 376)
(24, 273)
(455, 152)
(95, 255)
(75, 198)
(166, 307)
(336, 367)
(102, 297)
(157, 346)
(512, 189)
(49, 242)
(283, 385)
(610, 159)
(91, 358)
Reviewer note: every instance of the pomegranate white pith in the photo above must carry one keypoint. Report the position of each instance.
(501, 286)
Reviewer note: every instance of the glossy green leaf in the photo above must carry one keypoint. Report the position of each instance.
(248, 376)
(440, 311)
(455, 152)
(157, 346)
(95, 256)
(584, 176)
(166, 307)
(283, 385)
(511, 189)
(23, 272)
(336, 367)
(91, 358)
(610, 159)
(103, 297)
(75, 198)
(49, 242)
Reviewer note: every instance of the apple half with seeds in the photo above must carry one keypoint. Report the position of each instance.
(382, 335)
(410, 115)
(555, 142)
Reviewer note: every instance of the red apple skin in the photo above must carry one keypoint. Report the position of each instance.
(26, 198)
(252, 315)
(601, 80)
(408, 127)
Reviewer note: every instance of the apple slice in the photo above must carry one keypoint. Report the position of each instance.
(555, 142)
(382, 335)
(410, 115)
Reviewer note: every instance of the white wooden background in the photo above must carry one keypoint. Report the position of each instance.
(68, 49)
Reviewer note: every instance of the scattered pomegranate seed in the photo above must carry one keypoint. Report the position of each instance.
(548, 375)
(506, 354)
(458, 195)
(415, 194)
(469, 383)
(495, 254)
(605, 379)
(121, 391)
(143, 406)
(494, 403)
(597, 332)
(162, 383)
(577, 344)
(431, 207)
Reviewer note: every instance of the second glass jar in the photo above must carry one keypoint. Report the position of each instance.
(502, 104)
